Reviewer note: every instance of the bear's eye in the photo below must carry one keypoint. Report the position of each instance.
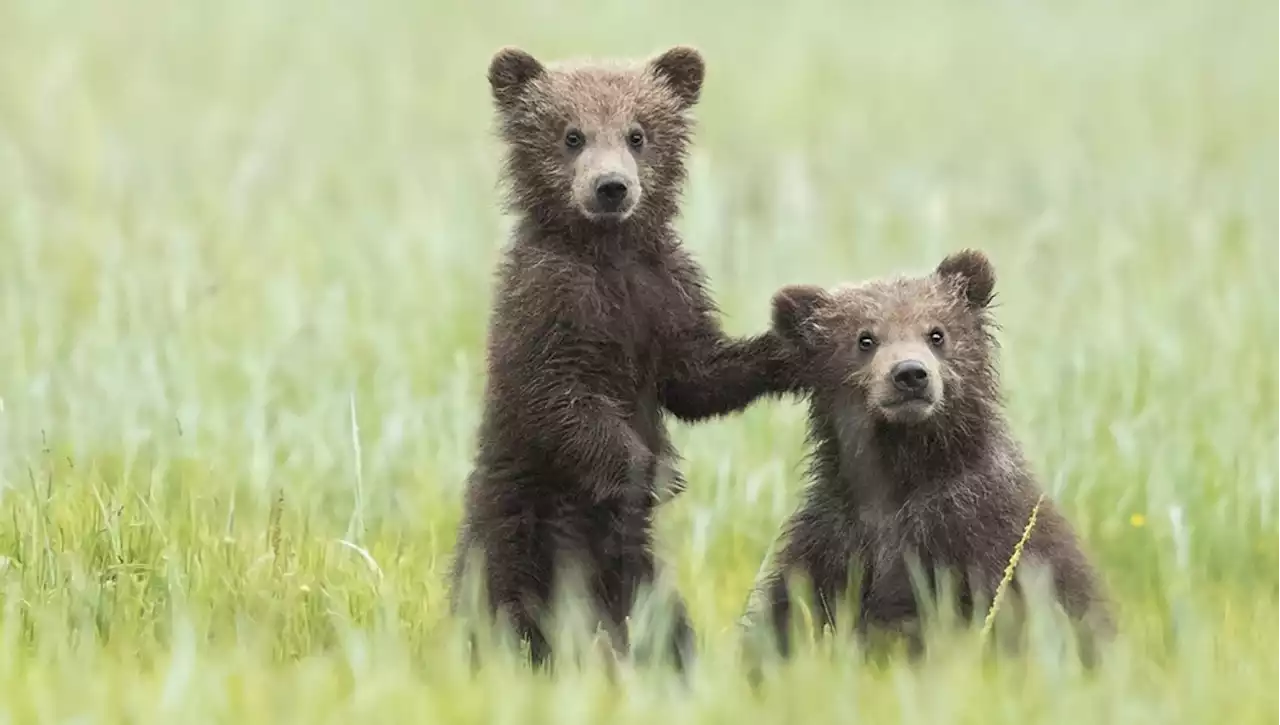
(635, 139)
(574, 139)
(936, 337)
(866, 341)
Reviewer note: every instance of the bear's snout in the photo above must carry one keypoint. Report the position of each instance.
(905, 385)
(611, 192)
(910, 376)
(606, 189)
(606, 178)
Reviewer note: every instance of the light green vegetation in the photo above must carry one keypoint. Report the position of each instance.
(229, 228)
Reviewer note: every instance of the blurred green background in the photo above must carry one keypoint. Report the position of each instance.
(245, 256)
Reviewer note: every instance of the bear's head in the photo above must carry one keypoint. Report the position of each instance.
(906, 350)
(600, 142)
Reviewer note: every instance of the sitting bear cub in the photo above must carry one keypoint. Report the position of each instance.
(912, 460)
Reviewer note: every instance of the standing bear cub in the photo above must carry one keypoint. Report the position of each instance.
(912, 462)
(600, 327)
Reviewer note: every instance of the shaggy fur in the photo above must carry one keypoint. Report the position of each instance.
(600, 327)
(912, 461)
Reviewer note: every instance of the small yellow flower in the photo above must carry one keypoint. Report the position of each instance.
(1137, 521)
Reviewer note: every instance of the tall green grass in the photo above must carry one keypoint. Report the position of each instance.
(245, 254)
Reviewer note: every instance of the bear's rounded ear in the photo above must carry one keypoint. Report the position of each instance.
(683, 70)
(509, 72)
(794, 308)
(973, 275)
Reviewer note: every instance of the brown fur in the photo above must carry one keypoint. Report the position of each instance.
(600, 327)
(924, 473)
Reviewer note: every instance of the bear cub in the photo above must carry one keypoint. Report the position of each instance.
(912, 463)
(600, 327)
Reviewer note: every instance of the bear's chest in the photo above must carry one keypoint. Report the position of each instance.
(646, 308)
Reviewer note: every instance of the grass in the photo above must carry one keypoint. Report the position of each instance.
(244, 261)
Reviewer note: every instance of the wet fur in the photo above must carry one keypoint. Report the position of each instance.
(952, 493)
(598, 330)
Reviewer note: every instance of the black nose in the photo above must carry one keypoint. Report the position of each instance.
(910, 376)
(611, 191)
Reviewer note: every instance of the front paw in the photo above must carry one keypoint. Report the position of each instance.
(668, 483)
(790, 363)
(633, 481)
(642, 472)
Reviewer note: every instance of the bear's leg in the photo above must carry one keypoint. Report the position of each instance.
(663, 618)
(682, 648)
(776, 605)
(890, 613)
(520, 581)
(525, 625)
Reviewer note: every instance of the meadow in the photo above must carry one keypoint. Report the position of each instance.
(245, 257)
